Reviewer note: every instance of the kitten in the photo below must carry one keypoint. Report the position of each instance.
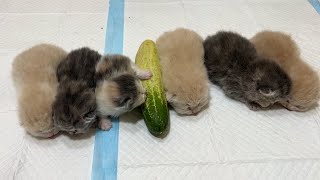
(34, 76)
(281, 48)
(80, 64)
(184, 74)
(74, 107)
(232, 63)
(119, 89)
(79, 94)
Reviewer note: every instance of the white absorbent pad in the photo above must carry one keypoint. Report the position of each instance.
(24, 23)
(226, 141)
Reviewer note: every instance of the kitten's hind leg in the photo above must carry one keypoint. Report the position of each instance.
(141, 74)
(44, 134)
(105, 124)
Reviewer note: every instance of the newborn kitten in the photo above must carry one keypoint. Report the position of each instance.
(34, 76)
(80, 64)
(233, 64)
(183, 71)
(280, 48)
(74, 107)
(119, 88)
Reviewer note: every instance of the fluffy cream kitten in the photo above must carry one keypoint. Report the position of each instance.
(34, 76)
(184, 74)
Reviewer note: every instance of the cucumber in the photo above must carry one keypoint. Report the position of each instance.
(155, 110)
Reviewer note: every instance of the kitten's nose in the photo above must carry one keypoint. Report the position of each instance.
(194, 111)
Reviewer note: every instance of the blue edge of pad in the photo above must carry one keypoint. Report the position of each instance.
(316, 5)
(105, 155)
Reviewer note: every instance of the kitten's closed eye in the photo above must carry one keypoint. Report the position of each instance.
(90, 116)
(266, 91)
(123, 101)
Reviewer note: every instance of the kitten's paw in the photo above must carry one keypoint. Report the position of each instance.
(105, 124)
(144, 75)
(50, 134)
(254, 106)
(140, 73)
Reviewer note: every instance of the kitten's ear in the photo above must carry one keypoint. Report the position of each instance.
(169, 96)
(267, 91)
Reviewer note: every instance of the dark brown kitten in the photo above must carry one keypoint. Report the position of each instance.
(80, 64)
(74, 109)
(232, 63)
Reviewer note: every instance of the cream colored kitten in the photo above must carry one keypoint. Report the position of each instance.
(184, 74)
(34, 76)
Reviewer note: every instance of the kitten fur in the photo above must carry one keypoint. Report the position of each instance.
(34, 77)
(281, 48)
(184, 75)
(232, 63)
(80, 64)
(74, 107)
(119, 88)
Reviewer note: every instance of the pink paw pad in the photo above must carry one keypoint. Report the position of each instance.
(105, 124)
(144, 75)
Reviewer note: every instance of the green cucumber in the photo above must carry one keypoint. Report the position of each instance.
(155, 110)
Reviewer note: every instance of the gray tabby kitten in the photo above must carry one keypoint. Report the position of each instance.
(233, 64)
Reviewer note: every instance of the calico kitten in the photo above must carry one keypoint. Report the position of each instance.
(282, 49)
(80, 93)
(34, 77)
(119, 88)
(232, 63)
(184, 74)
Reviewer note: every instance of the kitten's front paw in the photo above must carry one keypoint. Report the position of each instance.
(254, 106)
(141, 73)
(144, 75)
(105, 124)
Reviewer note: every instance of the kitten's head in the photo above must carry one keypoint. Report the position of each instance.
(119, 95)
(270, 83)
(74, 109)
(189, 102)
